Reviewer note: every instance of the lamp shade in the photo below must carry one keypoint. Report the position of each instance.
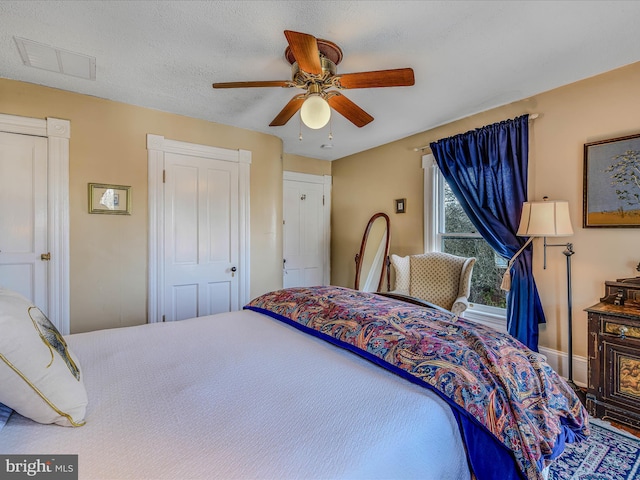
(315, 112)
(545, 219)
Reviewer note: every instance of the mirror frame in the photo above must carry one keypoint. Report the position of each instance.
(363, 245)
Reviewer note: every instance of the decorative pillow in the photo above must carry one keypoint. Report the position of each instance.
(5, 413)
(39, 377)
(402, 267)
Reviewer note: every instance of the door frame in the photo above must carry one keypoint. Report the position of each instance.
(157, 146)
(57, 132)
(326, 182)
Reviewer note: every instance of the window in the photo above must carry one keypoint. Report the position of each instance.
(448, 229)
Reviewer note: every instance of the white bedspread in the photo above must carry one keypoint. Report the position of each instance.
(240, 395)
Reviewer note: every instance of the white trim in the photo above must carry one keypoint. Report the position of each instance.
(57, 132)
(157, 146)
(495, 320)
(326, 181)
(23, 125)
(327, 228)
(430, 210)
(244, 225)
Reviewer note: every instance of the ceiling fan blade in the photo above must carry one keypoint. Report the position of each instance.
(288, 111)
(305, 50)
(274, 83)
(348, 109)
(401, 77)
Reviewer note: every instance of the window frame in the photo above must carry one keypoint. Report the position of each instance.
(433, 213)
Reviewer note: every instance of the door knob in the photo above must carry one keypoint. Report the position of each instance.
(45, 256)
(233, 271)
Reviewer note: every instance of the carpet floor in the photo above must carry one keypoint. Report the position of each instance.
(608, 454)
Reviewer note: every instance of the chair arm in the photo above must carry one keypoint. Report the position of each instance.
(460, 305)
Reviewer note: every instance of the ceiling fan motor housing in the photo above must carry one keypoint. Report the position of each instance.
(303, 79)
(313, 68)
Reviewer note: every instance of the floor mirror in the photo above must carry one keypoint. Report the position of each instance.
(371, 261)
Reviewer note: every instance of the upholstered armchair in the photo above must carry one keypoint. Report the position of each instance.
(439, 278)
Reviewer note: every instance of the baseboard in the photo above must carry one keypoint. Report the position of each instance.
(559, 362)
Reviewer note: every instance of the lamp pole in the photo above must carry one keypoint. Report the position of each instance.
(568, 252)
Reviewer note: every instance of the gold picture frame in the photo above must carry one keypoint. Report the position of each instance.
(109, 199)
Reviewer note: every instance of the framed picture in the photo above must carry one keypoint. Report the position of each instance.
(612, 183)
(401, 205)
(109, 199)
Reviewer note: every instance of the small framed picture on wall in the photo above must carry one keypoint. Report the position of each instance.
(401, 205)
(109, 199)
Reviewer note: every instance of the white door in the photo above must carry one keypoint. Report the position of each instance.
(305, 239)
(201, 236)
(23, 216)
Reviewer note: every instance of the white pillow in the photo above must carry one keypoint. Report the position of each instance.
(402, 267)
(39, 377)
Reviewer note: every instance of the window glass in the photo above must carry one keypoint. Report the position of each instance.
(455, 220)
(457, 235)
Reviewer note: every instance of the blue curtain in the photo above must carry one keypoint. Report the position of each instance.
(487, 171)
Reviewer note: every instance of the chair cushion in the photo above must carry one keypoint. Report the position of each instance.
(435, 277)
(401, 266)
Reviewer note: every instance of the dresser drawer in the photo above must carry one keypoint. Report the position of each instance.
(620, 329)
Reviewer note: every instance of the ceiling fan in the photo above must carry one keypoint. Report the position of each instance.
(313, 65)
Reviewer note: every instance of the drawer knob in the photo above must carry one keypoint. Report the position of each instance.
(623, 332)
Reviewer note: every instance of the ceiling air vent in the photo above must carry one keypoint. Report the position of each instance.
(42, 56)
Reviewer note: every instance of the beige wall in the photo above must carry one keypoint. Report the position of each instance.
(108, 271)
(602, 107)
(299, 164)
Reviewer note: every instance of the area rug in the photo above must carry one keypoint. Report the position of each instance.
(608, 454)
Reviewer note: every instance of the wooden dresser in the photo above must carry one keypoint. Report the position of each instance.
(614, 353)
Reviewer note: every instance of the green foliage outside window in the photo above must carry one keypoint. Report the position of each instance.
(489, 267)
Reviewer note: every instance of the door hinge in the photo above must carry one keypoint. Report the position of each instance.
(323, 200)
(46, 256)
(164, 176)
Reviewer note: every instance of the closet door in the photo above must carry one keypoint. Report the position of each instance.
(23, 216)
(305, 231)
(201, 236)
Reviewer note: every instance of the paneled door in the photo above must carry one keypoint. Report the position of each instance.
(201, 236)
(305, 230)
(23, 217)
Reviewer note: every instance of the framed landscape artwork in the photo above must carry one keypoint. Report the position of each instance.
(612, 183)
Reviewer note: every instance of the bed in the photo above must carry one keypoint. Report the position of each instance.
(281, 390)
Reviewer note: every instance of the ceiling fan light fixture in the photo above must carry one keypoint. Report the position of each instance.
(315, 111)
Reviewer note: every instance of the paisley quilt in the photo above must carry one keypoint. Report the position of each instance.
(515, 412)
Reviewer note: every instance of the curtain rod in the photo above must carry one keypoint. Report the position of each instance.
(532, 116)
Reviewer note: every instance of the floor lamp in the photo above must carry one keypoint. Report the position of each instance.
(551, 219)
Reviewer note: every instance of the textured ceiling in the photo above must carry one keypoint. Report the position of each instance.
(468, 56)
